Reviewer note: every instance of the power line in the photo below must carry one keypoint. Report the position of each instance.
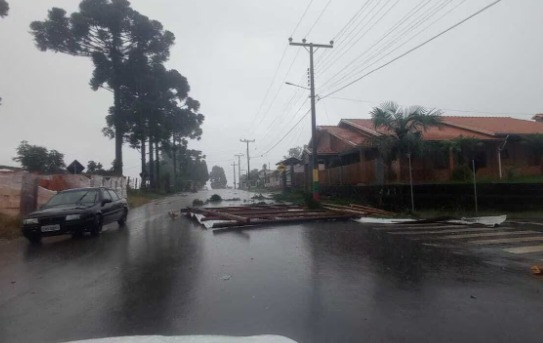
(288, 132)
(414, 48)
(273, 127)
(278, 89)
(318, 18)
(340, 33)
(408, 15)
(379, 53)
(359, 27)
(441, 108)
(270, 85)
(337, 37)
(302, 17)
(353, 44)
(279, 66)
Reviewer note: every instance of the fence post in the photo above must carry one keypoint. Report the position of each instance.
(474, 187)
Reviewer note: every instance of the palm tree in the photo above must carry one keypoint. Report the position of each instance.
(401, 129)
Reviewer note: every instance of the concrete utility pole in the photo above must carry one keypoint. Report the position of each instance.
(239, 168)
(248, 158)
(314, 162)
(234, 167)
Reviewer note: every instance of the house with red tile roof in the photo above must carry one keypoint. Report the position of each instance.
(347, 154)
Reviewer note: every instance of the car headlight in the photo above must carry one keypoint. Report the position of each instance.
(29, 221)
(73, 217)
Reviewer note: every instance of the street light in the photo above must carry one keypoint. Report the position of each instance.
(295, 85)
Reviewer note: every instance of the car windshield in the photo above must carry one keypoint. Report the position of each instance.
(79, 197)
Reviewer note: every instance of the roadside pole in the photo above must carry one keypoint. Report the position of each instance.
(248, 159)
(474, 187)
(314, 161)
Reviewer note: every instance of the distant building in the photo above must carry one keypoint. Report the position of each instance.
(347, 155)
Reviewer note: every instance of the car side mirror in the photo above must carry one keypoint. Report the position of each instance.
(106, 201)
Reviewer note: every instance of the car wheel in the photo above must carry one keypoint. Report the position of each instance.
(97, 226)
(33, 238)
(122, 221)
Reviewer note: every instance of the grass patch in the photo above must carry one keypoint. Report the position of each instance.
(295, 197)
(10, 226)
(138, 197)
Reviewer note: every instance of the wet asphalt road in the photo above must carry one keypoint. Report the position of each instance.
(319, 282)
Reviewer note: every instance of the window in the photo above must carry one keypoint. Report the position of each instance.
(105, 195)
(83, 197)
(480, 160)
(113, 195)
(370, 155)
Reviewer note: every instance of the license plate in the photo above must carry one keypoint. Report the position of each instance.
(49, 228)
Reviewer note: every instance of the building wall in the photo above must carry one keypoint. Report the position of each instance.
(44, 195)
(10, 192)
(519, 161)
(22, 192)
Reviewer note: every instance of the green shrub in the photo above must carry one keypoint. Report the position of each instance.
(461, 173)
(197, 202)
(215, 198)
(511, 173)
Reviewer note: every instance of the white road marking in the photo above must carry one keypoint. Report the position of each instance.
(507, 240)
(404, 227)
(525, 250)
(488, 234)
(436, 232)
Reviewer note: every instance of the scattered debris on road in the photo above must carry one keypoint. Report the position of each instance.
(173, 214)
(359, 210)
(490, 221)
(228, 218)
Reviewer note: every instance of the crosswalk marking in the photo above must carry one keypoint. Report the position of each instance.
(405, 227)
(507, 240)
(488, 234)
(435, 232)
(525, 250)
(524, 242)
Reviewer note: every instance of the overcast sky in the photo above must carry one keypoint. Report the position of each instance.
(230, 52)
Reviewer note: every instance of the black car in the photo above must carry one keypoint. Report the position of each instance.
(76, 211)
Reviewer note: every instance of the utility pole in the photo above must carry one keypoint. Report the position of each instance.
(234, 167)
(314, 162)
(239, 168)
(248, 158)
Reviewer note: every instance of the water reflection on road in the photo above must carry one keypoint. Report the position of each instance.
(319, 282)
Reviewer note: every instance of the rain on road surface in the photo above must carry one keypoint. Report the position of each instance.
(318, 282)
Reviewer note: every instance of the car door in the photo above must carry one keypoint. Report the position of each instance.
(116, 204)
(108, 210)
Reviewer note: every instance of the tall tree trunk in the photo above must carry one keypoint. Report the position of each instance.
(143, 158)
(174, 158)
(151, 164)
(117, 113)
(118, 163)
(157, 165)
